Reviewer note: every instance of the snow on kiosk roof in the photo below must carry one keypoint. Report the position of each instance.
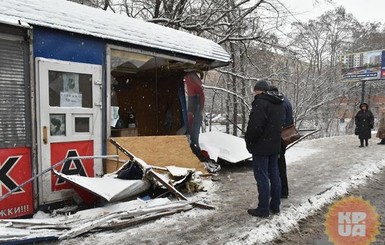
(77, 18)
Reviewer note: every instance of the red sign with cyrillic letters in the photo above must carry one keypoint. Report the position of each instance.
(83, 167)
(15, 169)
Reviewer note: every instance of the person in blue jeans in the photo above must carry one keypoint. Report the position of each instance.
(263, 141)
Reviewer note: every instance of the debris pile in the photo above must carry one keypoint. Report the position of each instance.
(111, 216)
(116, 192)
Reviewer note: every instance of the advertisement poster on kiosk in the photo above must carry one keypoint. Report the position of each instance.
(15, 169)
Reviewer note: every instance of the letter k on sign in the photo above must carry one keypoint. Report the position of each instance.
(5, 176)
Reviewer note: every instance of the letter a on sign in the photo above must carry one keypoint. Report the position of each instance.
(83, 167)
(72, 167)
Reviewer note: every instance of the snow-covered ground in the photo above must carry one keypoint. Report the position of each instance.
(319, 171)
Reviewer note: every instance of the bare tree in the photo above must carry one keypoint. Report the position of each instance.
(303, 63)
(237, 25)
(319, 44)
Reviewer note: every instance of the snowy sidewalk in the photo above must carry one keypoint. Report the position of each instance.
(329, 161)
(319, 171)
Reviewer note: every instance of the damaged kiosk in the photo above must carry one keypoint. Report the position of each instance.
(73, 76)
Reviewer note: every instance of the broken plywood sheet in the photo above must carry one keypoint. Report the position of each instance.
(108, 187)
(158, 151)
(225, 146)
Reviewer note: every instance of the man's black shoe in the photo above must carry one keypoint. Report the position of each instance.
(257, 213)
(275, 211)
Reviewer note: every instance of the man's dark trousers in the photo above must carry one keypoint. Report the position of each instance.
(283, 172)
(265, 169)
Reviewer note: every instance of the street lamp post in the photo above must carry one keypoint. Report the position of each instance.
(362, 91)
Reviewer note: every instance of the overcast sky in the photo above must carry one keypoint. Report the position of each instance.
(364, 11)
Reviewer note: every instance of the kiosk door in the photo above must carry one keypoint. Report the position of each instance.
(69, 123)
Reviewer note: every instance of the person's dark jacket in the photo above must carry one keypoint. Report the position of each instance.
(288, 108)
(263, 134)
(364, 121)
(288, 112)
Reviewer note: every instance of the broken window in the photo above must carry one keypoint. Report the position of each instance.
(147, 96)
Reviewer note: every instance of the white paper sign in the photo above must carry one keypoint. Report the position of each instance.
(70, 99)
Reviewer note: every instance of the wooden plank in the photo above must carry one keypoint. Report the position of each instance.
(158, 151)
(87, 226)
(132, 215)
(140, 219)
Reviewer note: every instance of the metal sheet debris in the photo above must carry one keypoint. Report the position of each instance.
(108, 187)
(224, 146)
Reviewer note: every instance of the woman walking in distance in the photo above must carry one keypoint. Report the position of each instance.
(364, 122)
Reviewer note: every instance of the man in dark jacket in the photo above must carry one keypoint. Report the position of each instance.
(263, 141)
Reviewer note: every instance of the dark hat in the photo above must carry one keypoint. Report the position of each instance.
(261, 85)
(273, 88)
(364, 104)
